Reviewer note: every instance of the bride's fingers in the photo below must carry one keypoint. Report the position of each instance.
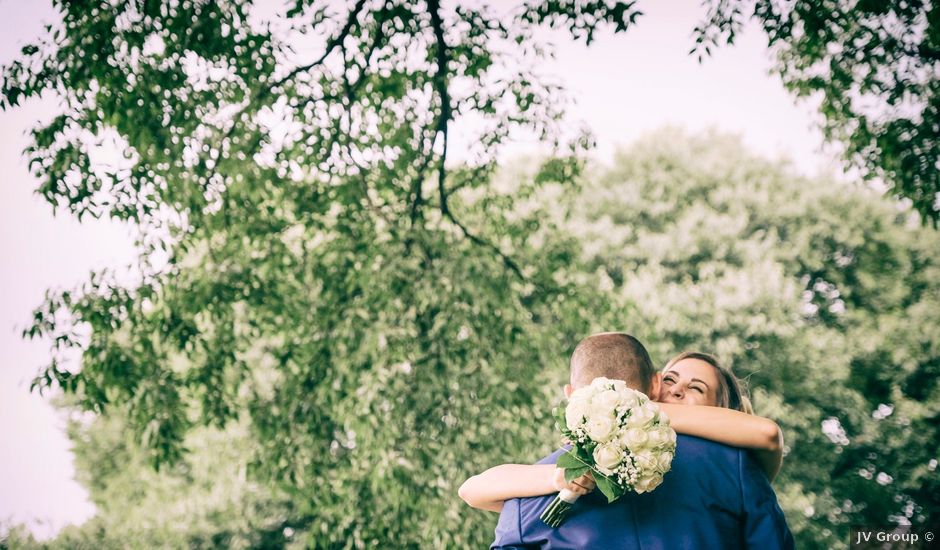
(585, 482)
(581, 485)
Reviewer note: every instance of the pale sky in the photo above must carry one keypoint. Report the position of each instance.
(625, 86)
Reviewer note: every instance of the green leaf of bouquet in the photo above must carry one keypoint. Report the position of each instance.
(585, 452)
(559, 414)
(568, 461)
(572, 473)
(608, 487)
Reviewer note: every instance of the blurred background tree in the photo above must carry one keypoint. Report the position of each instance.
(824, 296)
(330, 280)
(206, 501)
(872, 66)
(334, 325)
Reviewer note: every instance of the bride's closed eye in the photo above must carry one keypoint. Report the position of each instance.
(670, 380)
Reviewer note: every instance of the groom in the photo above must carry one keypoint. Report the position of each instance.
(714, 496)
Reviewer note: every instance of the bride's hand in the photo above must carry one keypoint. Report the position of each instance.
(579, 485)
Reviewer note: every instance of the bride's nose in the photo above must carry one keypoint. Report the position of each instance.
(677, 391)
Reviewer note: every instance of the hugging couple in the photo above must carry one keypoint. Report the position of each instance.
(717, 494)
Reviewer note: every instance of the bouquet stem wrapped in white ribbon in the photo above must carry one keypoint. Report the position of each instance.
(617, 434)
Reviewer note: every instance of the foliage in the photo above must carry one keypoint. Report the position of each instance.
(357, 324)
(872, 65)
(332, 282)
(823, 296)
(205, 500)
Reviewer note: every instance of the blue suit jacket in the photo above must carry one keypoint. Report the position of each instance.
(714, 496)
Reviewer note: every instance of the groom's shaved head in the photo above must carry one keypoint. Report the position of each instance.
(614, 355)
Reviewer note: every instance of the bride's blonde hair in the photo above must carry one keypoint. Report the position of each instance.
(731, 394)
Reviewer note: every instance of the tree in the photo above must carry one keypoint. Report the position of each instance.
(872, 65)
(823, 296)
(205, 500)
(330, 275)
(378, 318)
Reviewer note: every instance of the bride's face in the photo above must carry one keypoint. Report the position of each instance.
(690, 382)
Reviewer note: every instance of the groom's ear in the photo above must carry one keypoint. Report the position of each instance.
(655, 383)
(568, 389)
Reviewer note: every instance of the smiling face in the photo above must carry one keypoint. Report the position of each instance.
(690, 382)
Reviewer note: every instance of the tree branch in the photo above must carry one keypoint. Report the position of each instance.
(440, 86)
(416, 186)
(330, 46)
(337, 40)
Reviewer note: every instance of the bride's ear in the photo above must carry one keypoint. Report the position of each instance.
(568, 389)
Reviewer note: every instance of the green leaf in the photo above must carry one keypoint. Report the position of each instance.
(585, 452)
(572, 473)
(608, 487)
(559, 414)
(569, 460)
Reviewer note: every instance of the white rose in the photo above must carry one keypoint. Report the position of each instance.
(635, 439)
(574, 414)
(655, 482)
(607, 457)
(600, 427)
(655, 438)
(629, 399)
(647, 483)
(607, 400)
(582, 394)
(659, 436)
(645, 462)
(670, 436)
(596, 408)
(639, 416)
(664, 462)
(600, 382)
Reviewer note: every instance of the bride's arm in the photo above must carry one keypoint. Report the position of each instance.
(488, 491)
(738, 429)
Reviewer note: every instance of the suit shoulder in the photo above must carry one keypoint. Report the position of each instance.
(553, 458)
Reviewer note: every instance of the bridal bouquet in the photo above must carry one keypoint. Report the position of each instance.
(619, 435)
